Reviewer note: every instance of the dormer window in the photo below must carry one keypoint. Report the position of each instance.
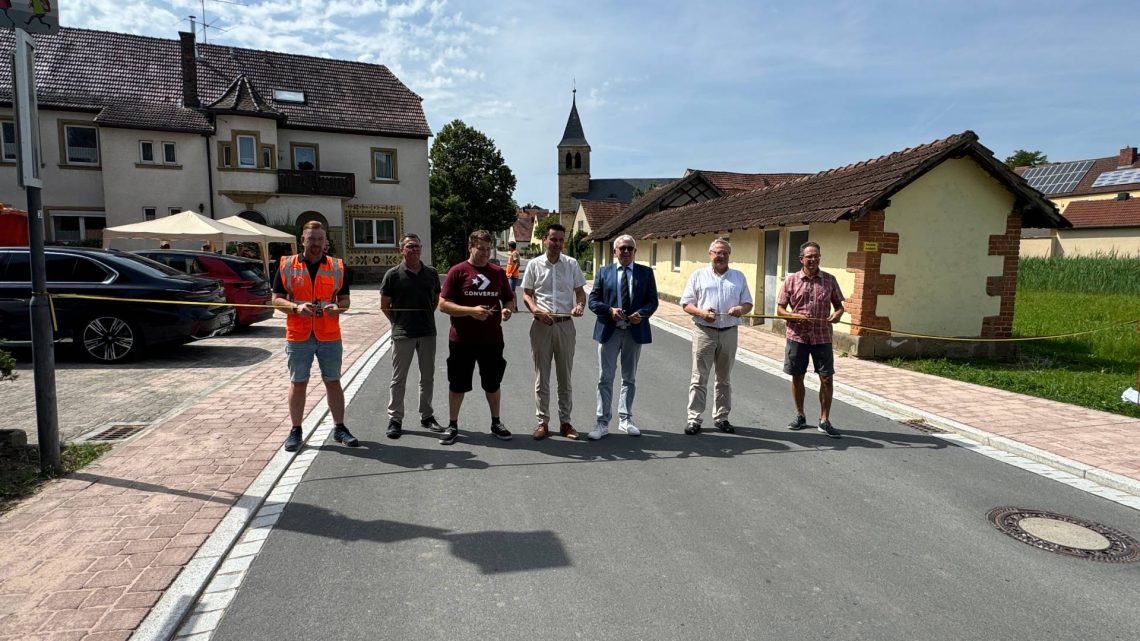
(288, 95)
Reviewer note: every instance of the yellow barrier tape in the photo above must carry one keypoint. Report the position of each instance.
(896, 332)
(890, 332)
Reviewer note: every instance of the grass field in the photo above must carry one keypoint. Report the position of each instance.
(20, 469)
(1056, 296)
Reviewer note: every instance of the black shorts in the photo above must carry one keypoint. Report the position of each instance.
(461, 360)
(796, 358)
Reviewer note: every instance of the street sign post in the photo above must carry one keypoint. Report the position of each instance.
(28, 155)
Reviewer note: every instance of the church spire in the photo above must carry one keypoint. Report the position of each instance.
(573, 135)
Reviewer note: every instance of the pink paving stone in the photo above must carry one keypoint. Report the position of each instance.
(132, 533)
(140, 561)
(74, 619)
(114, 635)
(103, 597)
(122, 619)
(68, 600)
(145, 545)
(138, 599)
(154, 579)
(104, 549)
(113, 578)
(107, 563)
(165, 531)
(188, 540)
(174, 556)
(75, 581)
(169, 519)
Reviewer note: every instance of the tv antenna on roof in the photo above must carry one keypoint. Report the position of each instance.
(207, 25)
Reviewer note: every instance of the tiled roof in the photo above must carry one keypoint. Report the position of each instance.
(1099, 166)
(599, 213)
(617, 189)
(731, 182)
(242, 97)
(634, 212)
(1085, 214)
(123, 75)
(846, 192)
(573, 135)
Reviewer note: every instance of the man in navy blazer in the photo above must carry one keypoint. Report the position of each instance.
(623, 298)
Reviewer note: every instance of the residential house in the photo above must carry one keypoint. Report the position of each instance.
(134, 128)
(923, 240)
(1098, 197)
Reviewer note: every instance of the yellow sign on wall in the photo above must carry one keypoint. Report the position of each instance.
(870, 247)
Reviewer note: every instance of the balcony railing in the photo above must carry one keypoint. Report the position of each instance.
(316, 183)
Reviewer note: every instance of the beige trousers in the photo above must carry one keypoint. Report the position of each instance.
(712, 348)
(552, 342)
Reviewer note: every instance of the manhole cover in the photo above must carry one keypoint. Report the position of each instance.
(114, 433)
(1066, 535)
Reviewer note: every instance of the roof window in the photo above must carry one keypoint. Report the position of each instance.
(288, 95)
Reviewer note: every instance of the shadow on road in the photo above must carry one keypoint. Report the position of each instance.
(493, 552)
(210, 353)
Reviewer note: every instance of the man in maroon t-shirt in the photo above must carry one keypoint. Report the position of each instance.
(478, 297)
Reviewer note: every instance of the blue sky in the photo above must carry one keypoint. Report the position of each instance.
(744, 85)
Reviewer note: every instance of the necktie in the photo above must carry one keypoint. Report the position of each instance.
(626, 305)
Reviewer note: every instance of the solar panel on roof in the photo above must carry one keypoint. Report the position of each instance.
(1118, 177)
(1057, 179)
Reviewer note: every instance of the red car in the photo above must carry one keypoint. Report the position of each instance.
(244, 278)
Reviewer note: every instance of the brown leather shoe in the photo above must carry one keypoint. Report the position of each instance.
(540, 432)
(568, 431)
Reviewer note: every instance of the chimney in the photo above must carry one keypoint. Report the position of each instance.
(1127, 157)
(189, 70)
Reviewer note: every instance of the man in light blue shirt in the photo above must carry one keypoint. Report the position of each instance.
(716, 297)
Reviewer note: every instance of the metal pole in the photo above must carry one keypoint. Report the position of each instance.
(43, 347)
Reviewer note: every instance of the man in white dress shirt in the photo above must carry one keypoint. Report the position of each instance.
(554, 290)
(716, 297)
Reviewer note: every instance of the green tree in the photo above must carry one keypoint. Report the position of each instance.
(1023, 158)
(471, 188)
(543, 224)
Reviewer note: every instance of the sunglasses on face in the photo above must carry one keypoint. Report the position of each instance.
(627, 250)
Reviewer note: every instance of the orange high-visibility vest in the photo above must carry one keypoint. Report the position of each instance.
(294, 275)
(513, 265)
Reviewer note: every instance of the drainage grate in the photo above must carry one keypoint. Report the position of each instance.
(1065, 535)
(922, 426)
(114, 433)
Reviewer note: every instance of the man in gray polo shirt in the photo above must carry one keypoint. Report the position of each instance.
(409, 295)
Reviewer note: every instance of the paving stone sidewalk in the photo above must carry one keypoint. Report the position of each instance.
(89, 556)
(1100, 446)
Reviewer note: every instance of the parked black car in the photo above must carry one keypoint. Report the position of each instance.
(110, 331)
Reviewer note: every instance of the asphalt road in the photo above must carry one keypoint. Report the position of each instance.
(764, 534)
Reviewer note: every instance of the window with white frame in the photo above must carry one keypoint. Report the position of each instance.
(9, 137)
(305, 157)
(168, 153)
(384, 164)
(73, 226)
(247, 152)
(171, 211)
(150, 213)
(146, 151)
(81, 144)
(374, 232)
(288, 95)
(676, 255)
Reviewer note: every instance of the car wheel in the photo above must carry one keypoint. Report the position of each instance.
(110, 339)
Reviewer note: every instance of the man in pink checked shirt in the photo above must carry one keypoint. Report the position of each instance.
(814, 297)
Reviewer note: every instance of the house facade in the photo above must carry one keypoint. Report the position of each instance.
(1098, 197)
(923, 241)
(134, 128)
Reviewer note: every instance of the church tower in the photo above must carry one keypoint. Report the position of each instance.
(573, 159)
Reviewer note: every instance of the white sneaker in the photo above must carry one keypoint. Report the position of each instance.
(598, 432)
(627, 427)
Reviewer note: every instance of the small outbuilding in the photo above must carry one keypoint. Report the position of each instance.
(923, 241)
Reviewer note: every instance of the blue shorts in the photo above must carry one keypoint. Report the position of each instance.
(301, 355)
